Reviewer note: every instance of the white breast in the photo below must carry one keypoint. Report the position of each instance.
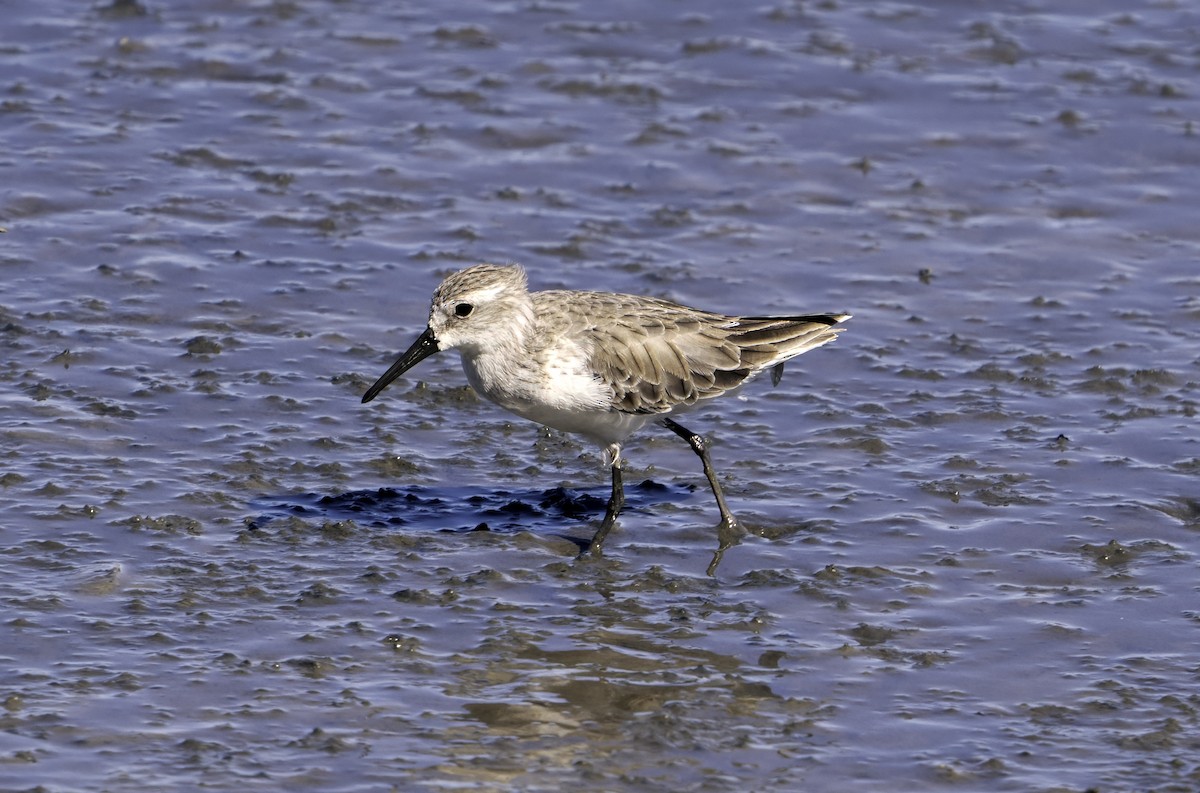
(559, 391)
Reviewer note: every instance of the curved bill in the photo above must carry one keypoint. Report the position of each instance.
(422, 348)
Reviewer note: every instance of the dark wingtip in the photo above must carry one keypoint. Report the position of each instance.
(823, 319)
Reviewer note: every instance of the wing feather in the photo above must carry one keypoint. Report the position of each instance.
(655, 355)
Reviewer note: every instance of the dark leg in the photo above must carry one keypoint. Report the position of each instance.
(615, 502)
(729, 531)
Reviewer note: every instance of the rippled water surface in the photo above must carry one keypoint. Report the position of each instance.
(976, 516)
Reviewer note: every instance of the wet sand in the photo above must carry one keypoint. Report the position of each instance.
(975, 515)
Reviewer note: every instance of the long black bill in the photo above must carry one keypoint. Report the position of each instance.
(422, 348)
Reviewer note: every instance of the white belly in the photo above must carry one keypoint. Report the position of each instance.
(561, 394)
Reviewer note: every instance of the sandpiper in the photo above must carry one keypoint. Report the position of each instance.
(602, 365)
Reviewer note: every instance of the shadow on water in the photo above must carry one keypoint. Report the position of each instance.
(463, 509)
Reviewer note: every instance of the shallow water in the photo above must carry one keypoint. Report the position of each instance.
(977, 514)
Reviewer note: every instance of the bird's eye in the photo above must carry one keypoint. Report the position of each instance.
(463, 309)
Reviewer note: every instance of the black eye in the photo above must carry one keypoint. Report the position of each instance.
(463, 309)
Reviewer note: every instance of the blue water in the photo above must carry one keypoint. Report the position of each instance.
(975, 516)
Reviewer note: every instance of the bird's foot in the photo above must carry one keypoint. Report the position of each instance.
(595, 546)
(592, 549)
(729, 534)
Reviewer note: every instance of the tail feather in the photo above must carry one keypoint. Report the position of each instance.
(770, 341)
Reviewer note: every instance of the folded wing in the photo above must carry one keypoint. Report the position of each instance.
(658, 356)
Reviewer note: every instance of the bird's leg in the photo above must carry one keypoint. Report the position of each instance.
(615, 502)
(729, 531)
(728, 521)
